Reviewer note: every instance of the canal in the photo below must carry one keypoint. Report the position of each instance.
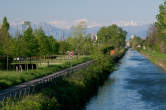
(136, 85)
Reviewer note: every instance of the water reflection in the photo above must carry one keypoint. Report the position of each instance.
(137, 85)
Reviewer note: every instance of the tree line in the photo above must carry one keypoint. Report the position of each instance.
(34, 42)
(76, 86)
(30, 43)
(156, 35)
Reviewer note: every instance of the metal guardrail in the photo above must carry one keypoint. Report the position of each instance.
(19, 91)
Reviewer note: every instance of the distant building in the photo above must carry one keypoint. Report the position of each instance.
(127, 44)
(132, 36)
(94, 37)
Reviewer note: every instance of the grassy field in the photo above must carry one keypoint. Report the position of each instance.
(70, 93)
(155, 57)
(11, 78)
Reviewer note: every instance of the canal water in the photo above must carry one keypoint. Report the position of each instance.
(136, 85)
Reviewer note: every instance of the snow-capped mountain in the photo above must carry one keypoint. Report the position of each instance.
(140, 30)
(50, 30)
(59, 33)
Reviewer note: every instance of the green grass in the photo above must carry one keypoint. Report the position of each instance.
(70, 93)
(155, 57)
(11, 78)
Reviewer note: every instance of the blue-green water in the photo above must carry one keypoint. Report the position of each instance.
(136, 85)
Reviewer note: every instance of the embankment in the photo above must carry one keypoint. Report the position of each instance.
(72, 92)
(8, 79)
(156, 58)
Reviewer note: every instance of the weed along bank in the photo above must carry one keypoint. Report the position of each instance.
(81, 65)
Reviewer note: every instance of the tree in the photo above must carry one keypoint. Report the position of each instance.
(30, 43)
(42, 42)
(54, 45)
(79, 30)
(5, 41)
(161, 27)
(136, 41)
(152, 39)
(78, 36)
(112, 35)
(88, 45)
(18, 46)
(64, 47)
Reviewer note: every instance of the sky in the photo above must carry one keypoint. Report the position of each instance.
(64, 13)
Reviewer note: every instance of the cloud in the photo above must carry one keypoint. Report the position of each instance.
(94, 24)
(81, 20)
(61, 24)
(125, 23)
(132, 23)
(67, 24)
(90, 24)
(15, 23)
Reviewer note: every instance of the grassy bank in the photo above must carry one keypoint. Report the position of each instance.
(8, 79)
(155, 57)
(72, 92)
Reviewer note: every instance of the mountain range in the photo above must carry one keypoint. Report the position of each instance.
(59, 33)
